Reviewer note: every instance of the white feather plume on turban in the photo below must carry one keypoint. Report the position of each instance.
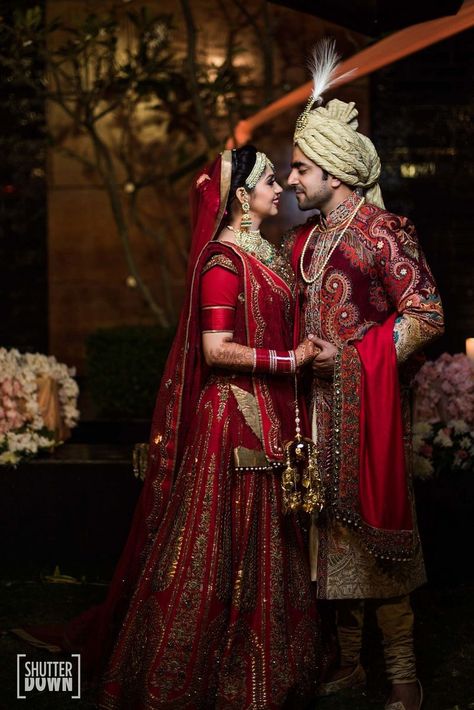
(328, 134)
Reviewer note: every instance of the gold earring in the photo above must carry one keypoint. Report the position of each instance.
(246, 221)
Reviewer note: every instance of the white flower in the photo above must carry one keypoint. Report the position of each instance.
(443, 439)
(26, 370)
(45, 442)
(465, 442)
(423, 429)
(422, 467)
(459, 426)
(9, 458)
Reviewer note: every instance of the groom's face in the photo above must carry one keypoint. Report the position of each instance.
(312, 186)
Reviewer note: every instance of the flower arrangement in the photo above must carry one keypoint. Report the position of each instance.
(442, 448)
(23, 431)
(443, 433)
(445, 390)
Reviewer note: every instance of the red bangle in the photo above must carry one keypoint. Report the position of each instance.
(274, 362)
(261, 360)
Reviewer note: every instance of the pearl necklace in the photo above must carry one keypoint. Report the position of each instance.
(252, 242)
(337, 241)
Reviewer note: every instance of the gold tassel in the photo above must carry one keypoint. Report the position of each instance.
(302, 468)
(289, 484)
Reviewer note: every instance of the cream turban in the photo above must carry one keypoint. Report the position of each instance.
(328, 136)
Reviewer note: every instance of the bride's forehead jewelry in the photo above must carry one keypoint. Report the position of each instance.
(261, 162)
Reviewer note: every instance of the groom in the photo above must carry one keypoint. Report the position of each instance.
(369, 297)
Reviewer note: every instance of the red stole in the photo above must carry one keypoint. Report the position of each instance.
(369, 488)
(383, 488)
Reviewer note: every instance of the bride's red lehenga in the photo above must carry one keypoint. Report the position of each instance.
(212, 603)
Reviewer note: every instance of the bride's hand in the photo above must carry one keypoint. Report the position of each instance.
(306, 352)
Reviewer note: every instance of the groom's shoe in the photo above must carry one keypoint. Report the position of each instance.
(355, 679)
(399, 705)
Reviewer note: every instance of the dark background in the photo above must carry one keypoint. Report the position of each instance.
(420, 110)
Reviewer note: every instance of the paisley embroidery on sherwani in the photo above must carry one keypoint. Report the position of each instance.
(341, 316)
(354, 250)
(378, 268)
(408, 335)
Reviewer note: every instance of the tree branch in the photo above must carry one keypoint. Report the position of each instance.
(265, 42)
(76, 156)
(158, 238)
(192, 63)
(108, 174)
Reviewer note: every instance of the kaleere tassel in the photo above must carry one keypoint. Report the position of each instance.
(301, 482)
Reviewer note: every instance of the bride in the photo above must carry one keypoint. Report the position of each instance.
(222, 614)
(211, 605)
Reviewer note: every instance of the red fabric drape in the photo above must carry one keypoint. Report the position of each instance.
(383, 490)
(380, 54)
(94, 631)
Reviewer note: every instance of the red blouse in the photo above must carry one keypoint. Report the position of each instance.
(218, 298)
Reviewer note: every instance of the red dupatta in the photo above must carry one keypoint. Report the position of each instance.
(383, 485)
(176, 400)
(93, 632)
(370, 487)
(184, 370)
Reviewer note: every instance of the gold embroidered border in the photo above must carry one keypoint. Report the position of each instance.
(395, 545)
(220, 260)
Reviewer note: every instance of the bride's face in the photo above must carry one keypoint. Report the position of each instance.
(265, 196)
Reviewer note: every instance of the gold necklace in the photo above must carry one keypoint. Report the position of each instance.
(306, 278)
(252, 242)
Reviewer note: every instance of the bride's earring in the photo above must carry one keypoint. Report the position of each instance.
(246, 221)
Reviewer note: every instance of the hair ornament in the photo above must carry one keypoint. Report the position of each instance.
(261, 162)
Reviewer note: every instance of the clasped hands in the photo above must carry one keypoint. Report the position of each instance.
(320, 353)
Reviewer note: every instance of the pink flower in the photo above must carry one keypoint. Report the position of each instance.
(7, 387)
(445, 389)
(17, 389)
(7, 402)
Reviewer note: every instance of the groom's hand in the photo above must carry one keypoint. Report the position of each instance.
(323, 363)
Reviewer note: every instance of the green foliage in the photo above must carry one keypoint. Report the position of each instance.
(124, 367)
